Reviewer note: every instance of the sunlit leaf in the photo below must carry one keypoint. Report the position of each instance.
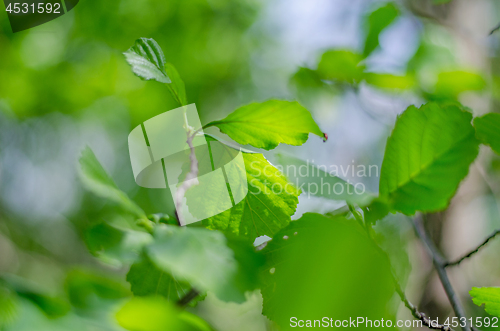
(268, 206)
(267, 124)
(377, 21)
(451, 84)
(96, 180)
(147, 60)
(158, 314)
(426, 157)
(388, 81)
(489, 296)
(488, 130)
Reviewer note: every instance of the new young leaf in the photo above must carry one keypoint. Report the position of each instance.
(147, 60)
(267, 124)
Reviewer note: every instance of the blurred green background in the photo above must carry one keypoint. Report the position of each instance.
(66, 84)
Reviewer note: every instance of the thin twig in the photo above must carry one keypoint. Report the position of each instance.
(439, 265)
(419, 315)
(466, 256)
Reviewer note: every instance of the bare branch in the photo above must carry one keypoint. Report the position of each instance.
(439, 265)
(419, 315)
(466, 256)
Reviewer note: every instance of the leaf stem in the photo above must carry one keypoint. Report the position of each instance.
(440, 264)
(474, 251)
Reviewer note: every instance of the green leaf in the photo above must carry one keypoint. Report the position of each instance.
(377, 21)
(115, 246)
(8, 307)
(341, 66)
(147, 280)
(488, 130)
(313, 180)
(388, 81)
(267, 124)
(96, 180)
(83, 286)
(427, 155)
(489, 296)
(320, 266)
(147, 60)
(157, 314)
(202, 258)
(306, 78)
(177, 87)
(50, 305)
(268, 206)
(451, 84)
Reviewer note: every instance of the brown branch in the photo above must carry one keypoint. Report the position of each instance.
(466, 256)
(439, 265)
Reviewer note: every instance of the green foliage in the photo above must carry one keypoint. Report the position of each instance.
(52, 306)
(378, 20)
(147, 60)
(83, 286)
(147, 280)
(320, 266)
(8, 307)
(268, 206)
(488, 130)
(451, 84)
(427, 155)
(388, 81)
(489, 296)
(341, 66)
(202, 258)
(115, 245)
(96, 180)
(177, 87)
(157, 314)
(267, 124)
